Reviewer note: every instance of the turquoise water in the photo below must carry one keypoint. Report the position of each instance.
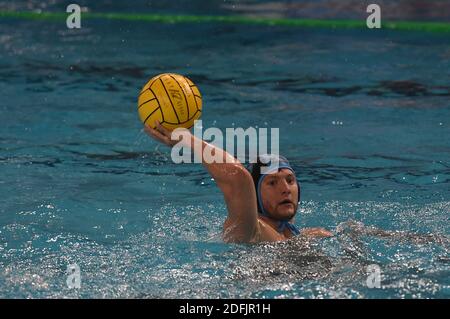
(363, 117)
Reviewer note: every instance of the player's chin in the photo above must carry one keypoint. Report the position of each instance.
(287, 211)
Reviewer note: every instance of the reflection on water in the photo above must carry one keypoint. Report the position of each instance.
(186, 258)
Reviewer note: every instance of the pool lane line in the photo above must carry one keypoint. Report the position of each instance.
(437, 27)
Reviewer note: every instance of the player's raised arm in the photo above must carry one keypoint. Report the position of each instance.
(231, 177)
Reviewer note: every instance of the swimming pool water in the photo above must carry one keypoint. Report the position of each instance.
(363, 118)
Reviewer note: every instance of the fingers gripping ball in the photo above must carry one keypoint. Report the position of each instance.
(172, 99)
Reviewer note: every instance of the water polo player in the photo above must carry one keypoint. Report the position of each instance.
(261, 204)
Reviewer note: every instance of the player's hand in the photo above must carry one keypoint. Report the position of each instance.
(164, 135)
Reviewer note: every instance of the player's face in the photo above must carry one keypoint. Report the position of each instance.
(279, 194)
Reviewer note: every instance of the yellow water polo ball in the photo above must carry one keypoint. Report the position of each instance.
(172, 99)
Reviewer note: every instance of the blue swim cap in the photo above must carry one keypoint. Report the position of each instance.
(265, 165)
